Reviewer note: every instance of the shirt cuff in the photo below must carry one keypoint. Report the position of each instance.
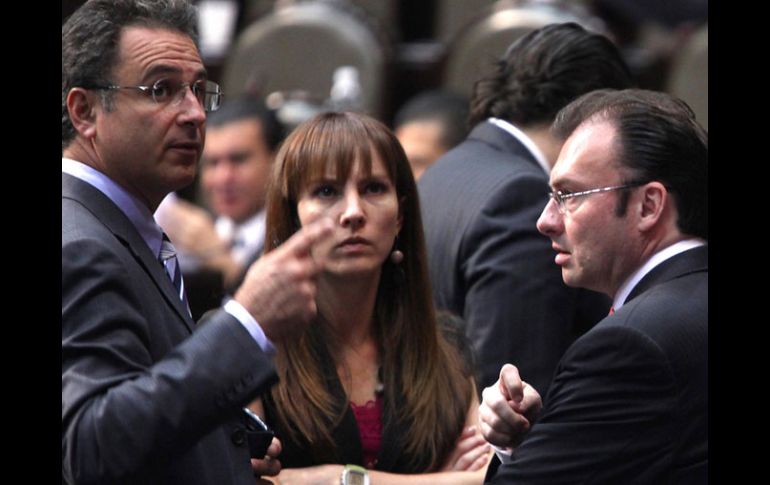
(250, 324)
(504, 454)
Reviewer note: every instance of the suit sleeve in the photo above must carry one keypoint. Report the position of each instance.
(124, 407)
(517, 308)
(608, 418)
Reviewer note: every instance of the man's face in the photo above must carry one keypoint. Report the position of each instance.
(595, 246)
(235, 169)
(149, 148)
(422, 143)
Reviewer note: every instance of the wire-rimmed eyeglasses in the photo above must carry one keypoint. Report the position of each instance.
(561, 197)
(169, 91)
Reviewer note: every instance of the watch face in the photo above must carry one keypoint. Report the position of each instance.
(355, 477)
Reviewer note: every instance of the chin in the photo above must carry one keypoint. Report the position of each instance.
(570, 279)
(353, 270)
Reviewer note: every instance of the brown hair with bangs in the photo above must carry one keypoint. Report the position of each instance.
(420, 370)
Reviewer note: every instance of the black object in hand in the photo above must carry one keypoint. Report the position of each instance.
(258, 435)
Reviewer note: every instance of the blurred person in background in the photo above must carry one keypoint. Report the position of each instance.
(430, 124)
(241, 140)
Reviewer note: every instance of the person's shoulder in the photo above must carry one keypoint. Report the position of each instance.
(673, 313)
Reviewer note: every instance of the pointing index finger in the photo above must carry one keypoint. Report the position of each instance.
(308, 236)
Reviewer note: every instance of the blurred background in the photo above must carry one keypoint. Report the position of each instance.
(303, 56)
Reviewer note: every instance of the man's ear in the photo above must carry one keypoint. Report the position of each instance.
(81, 105)
(653, 205)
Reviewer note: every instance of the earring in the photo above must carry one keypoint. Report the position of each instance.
(396, 256)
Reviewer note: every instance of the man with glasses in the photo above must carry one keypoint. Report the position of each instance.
(148, 396)
(480, 203)
(628, 216)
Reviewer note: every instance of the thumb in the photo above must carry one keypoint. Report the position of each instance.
(511, 384)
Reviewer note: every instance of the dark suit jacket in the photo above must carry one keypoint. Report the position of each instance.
(629, 403)
(144, 399)
(489, 264)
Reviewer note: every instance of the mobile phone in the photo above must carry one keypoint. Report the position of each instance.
(258, 434)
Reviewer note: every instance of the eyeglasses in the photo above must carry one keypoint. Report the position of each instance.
(561, 197)
(168, 91)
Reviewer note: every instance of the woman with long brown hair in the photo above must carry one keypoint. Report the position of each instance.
(374, 381)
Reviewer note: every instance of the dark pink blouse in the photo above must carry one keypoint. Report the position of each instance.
(369, 419)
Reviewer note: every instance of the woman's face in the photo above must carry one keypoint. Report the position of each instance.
(365, 211)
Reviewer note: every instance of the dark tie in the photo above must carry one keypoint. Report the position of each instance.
(171, 264)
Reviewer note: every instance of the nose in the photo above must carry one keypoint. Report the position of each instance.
(550, 221)
(223, 172)
(353, 216)
(192, 109)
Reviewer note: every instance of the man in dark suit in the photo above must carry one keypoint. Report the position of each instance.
(147, 396)
(480, 203)
(628, 217)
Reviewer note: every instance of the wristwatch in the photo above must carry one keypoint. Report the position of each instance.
(354, 475)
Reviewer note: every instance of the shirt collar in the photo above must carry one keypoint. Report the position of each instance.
(525, 140)
(251, 230)
(655, 260)
(138, 213)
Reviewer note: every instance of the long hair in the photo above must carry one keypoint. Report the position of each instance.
(420, 370)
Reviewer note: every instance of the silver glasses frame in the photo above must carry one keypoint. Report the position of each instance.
(561, 197)
(211, 100)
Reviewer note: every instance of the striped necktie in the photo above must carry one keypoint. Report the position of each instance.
(171, 264)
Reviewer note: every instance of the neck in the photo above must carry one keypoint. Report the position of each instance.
(85, 153)
(650, 244)
(541, 136)
(348, 306)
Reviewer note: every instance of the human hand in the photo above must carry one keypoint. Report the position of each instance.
(471, 452)
(508, 409)
(279, 289)
(315, 475)
(270, 465)
(190, 228)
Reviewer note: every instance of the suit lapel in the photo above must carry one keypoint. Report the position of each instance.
(125, 232)
(690, 261)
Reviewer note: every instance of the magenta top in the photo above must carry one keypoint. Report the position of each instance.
(369, 419)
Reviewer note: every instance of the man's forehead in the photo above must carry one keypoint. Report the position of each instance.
(590, 147)
(151, 49)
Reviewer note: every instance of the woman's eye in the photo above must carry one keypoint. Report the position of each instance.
(324, 191)
(376, 188)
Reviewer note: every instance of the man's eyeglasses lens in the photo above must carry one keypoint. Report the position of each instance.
(168, 91)
(208, 93)
(561, 198)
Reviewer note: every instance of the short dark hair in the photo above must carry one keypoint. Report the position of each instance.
(245, 108)
(543, 71)
(658, 140)
(90, 37)
(450, 110)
